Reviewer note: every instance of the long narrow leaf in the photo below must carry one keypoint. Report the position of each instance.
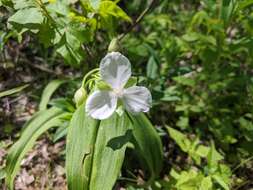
(112, 139)
(80, 145)
(48, 92)
(147, 143)
(41, 122)
(13, 91)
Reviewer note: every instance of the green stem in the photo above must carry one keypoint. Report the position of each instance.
(242, 163)
(88, 74)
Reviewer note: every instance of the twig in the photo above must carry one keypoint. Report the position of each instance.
(138, 20)
(242, 163)
(42, 68)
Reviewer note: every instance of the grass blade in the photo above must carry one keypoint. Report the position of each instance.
(40, 123)
(13, 90)
(48, 92)
(147, 144)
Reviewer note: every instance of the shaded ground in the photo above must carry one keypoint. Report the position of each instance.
(42, 168)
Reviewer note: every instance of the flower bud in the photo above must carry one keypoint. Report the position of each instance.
(114, 45)
(80, 96)
(101, 85)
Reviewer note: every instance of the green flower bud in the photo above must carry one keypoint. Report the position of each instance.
(80, 96)
(101, 85)
(114, 45)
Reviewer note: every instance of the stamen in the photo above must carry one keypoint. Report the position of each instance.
(118, 92)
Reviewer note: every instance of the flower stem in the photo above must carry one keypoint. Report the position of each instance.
(88, 74)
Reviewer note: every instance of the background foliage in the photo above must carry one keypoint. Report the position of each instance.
(195, 57)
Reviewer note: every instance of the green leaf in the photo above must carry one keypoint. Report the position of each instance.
(92, 147)
(192, 147)
(81, 139)
(2, 173)
(60, 132)
(189, 180)
(206, 184)
(152, 68)
(48, 92)
(95, 3)
(131, 82)
(183, 122)
(148, 144)
(39, 123)
(69, 48)
(107, 8)
(181, 139)
(112, 139)
(59, 7)
(13, 90)
(227, 9)
(220, 181)
(184, 81)
(27, 16)
(213, 157)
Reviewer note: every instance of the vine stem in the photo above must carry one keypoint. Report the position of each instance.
(138, 20)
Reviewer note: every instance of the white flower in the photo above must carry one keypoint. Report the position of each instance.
(115, 70)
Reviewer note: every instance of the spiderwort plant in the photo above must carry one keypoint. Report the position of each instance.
(97, 137)
(108, 120)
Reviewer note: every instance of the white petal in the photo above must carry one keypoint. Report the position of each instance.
(115, 69)
(137, 99)
(101, 104)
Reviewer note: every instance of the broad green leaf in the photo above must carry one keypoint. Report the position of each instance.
(95, 3)
(147, 144)
(69, 46)
(183, 122)
(189, 180)
(202, 151)
(112, 139)
(2, 173)
(21, 4)
(81, 138)
(152, 68)
(60, 132)
(39, 123)
(206, 184)
(220, 181)
(213, 157)
(27, 16)
(92, 147)
(12, 91)
(192, 147)
(185, 80)
(183, 142)
(59, 7)
(48, 92)
(111, 8)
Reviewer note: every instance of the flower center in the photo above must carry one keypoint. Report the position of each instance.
(118, 92)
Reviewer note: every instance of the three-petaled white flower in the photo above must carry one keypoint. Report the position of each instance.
(115, 70)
